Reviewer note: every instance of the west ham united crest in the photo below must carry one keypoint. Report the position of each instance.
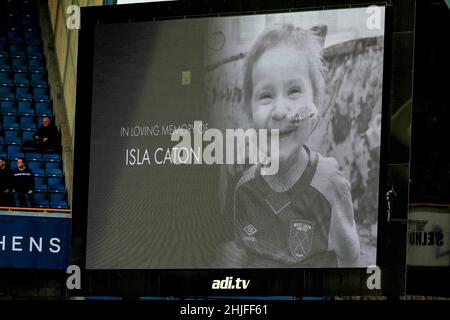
(300, 238)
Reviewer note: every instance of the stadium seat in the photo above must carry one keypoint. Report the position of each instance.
(7, 93)
(57, 196)
(19, 65)
(32, 37)
(28, 127)
(9, 119)
(4, 52)
(27, 136)
(34, 165)
(15, 37)
(34, 52)
(5, 79)
(33, 157)
(13, 141)
(13, 156)
(26, 119)
(54, 173)
(12, 138)
(24, 94)
(51, 165)
(24, 109)
(17, 51)
(40, 95)
(39, 172)
(5, 65)
(14, 126)
(39, 184)
(9, 134)
(51, 157)
(58, 204)
(55, 185)
(41, 199)
(39, 80)
(43, 110)
(21, 79)
(36, 66)
(8, 104)
(8, 110)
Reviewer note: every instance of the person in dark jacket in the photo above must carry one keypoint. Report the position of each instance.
(23, 185)
(5, 184)
(46, 136)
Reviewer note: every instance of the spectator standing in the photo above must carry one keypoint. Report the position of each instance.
(23, 185)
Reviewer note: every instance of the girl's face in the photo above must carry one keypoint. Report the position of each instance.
(282, 89)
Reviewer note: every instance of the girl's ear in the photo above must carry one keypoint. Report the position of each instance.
(321, 31)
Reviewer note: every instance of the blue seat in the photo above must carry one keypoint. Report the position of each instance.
(15, 37)
(19, 65)
(36, 66)
(28, 127)
(55, 185)
(49, 166)
(41, 199)
(4, 52)
(51, 157)
(11, 134)
(39, 80)
(29, 24)
(5, 65)
(13, 156)
(7, 93)
(40, 95)
(17, 51)
(42, 112)
(12, 126)
(34, 52)
(11, 19)
(38, 196)
(57, 173)
(43, 106)
(39, 173)
(21, 79)
(35, 165)
(32, 37)
(6, 104)
(5, 79)
(57, 196)
(33, 156)
(58, 204)
(8, 111)
(24, 108)
(26, 119)
(27, 135)
(9, 119)
(13, 141)
(41, 204)
(24, 94)
(39, 184)
(3, 39)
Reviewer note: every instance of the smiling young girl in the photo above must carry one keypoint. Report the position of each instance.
(303, 215)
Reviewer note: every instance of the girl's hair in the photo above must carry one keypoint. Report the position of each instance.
(308, 40)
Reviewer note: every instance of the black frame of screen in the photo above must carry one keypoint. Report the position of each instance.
(189, 282)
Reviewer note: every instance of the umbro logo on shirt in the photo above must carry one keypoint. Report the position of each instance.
(250, 229)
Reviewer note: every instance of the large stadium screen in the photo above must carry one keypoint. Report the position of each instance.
(236, 142)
